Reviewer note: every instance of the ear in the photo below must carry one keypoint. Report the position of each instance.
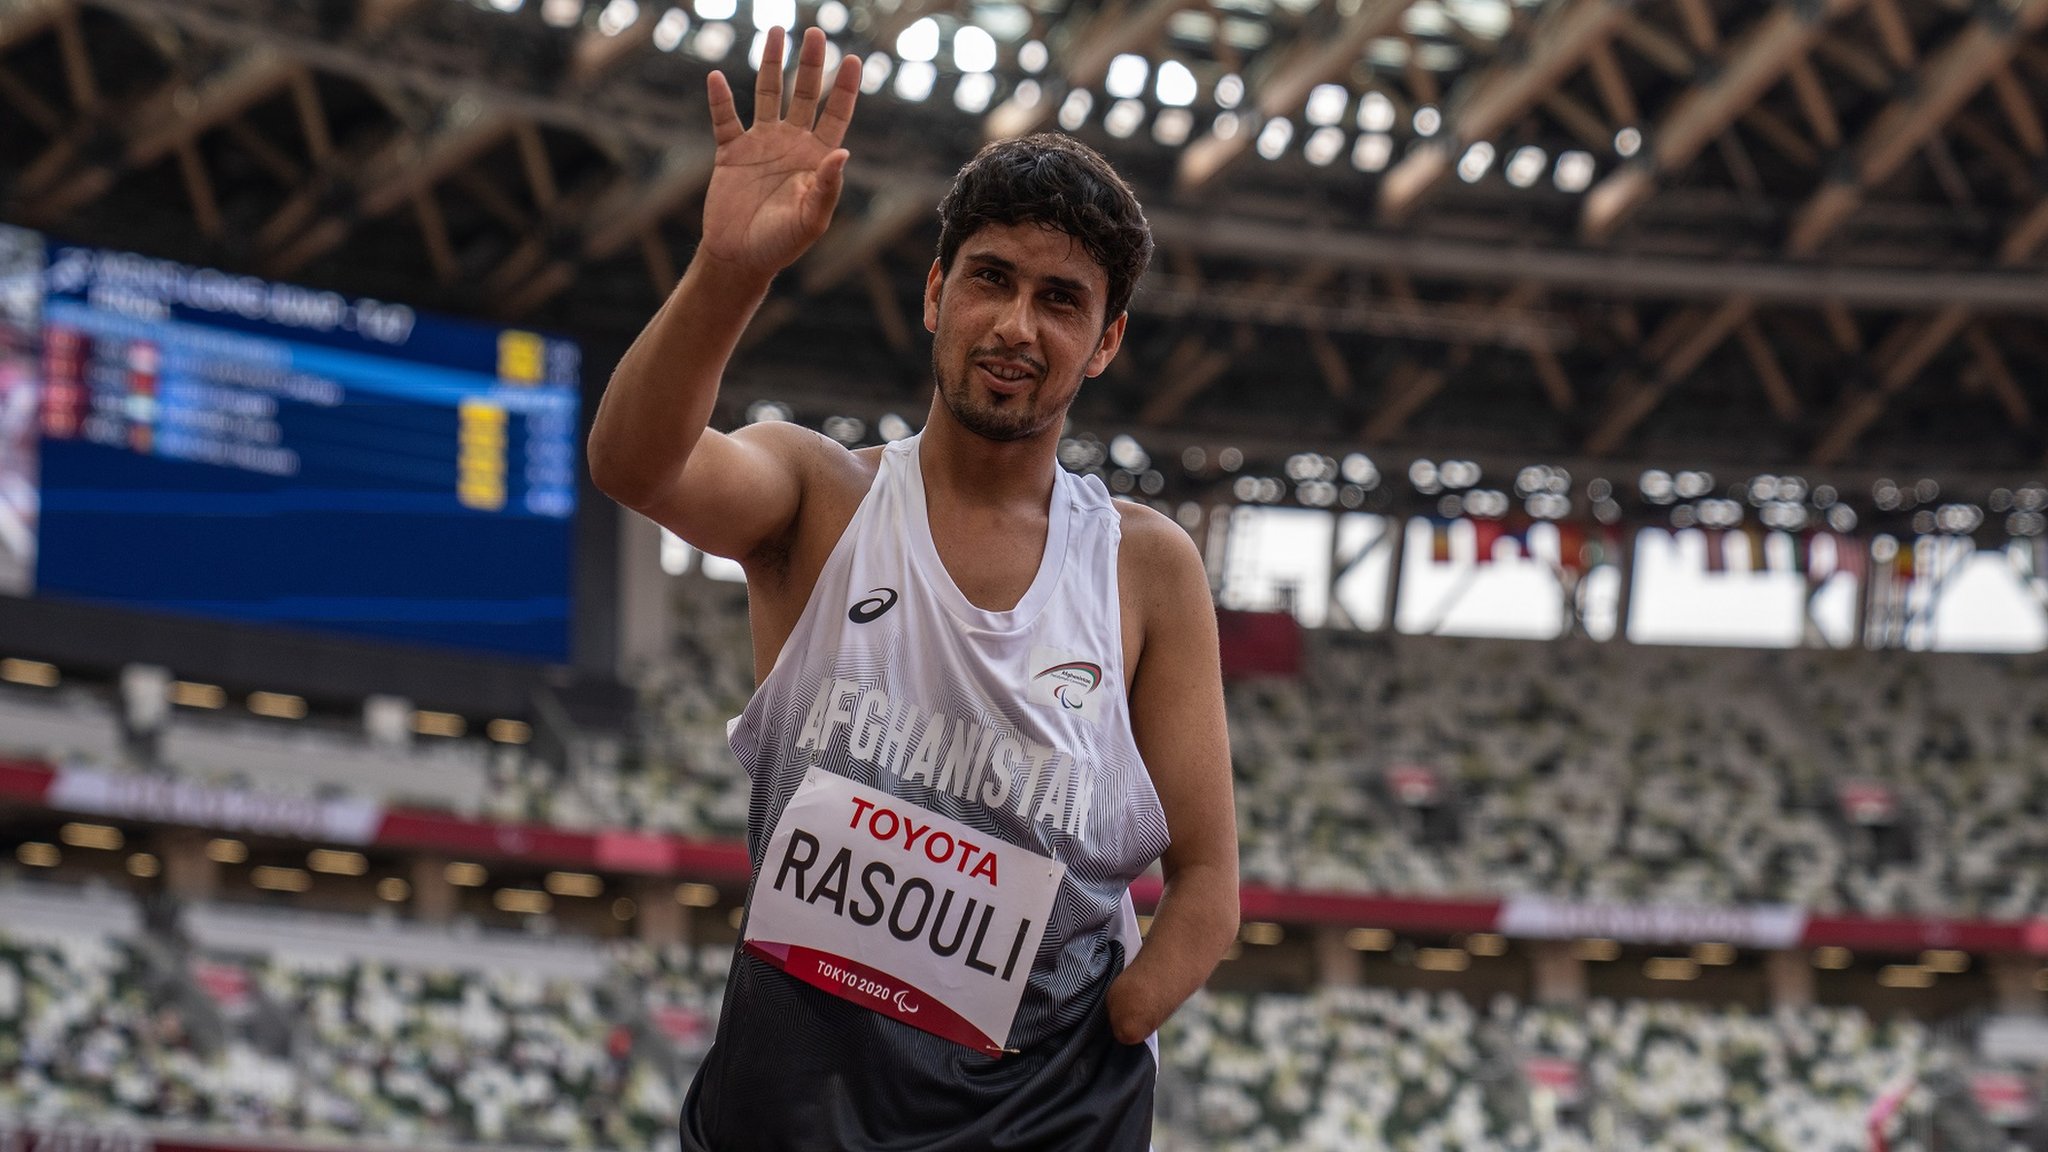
(933, 281)
(1105, 349)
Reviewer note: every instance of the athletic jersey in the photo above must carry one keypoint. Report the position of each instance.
(1010, 728)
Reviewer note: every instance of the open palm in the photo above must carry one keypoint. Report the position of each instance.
(774, 185)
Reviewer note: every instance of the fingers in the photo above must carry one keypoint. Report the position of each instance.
(768, 81)
(839, 103)
(725, 118)
(810, 77)
(824, 193)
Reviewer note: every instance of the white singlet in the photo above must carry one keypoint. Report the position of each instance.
(894, 695)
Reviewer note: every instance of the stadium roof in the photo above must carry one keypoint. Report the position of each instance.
(1798, 235)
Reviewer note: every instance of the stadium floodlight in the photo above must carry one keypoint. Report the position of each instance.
(1126, 453)
(1628, 141)
(1229, 90)
(1173, 126)
(1175, 85)
(1326, 104)
(1124, 118)
(1075, 108)
(974, 50)
(561, 13)
(1372, 151)
(1526, 166)
(832, 17)
(774, 13)
(919, 43)
(973, 93)
(914, 80)
(714, 40)
(618, 16)
(1486, 18)
(874, 72)
(1376, 113)
(670, 29)
(1032, 57)
(508, 6)
(1428, 121)
(1474, 163)
(1274, 136)
(1324, 145)
(1126, 77)
(715, 9)
(1574, 171)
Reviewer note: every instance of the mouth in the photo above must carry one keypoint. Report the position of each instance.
(1006, 376)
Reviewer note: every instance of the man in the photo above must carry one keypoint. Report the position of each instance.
(989, 696)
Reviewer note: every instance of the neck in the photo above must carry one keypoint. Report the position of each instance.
(990, 473)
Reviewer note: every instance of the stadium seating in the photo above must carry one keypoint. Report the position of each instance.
(1585, 771)
(366, 1045)
(1621, 773)
(1594, 772)
(1370, 1068)
(316, 1041)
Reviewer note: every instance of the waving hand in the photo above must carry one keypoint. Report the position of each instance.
(774, 185)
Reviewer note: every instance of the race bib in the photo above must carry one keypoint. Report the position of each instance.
(901, 910)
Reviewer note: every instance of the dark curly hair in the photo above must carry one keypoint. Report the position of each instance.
(1060, 182)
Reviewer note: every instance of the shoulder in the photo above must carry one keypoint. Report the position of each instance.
(1152, 535)
(1158, 559)
(831, 482)
(827, 472)
(805, 451)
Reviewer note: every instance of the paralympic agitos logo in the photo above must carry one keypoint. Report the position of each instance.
(1066, 681)
(1072, 682)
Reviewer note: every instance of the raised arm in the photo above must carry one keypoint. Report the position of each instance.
(1178, 722)
(773, 188)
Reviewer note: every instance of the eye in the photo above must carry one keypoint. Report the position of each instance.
(1061, 298)
(989, 275)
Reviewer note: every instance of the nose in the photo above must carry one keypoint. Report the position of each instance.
(1016, 325)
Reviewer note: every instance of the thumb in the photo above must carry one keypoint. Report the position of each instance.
(826, 183)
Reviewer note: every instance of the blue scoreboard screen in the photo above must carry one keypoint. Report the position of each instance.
(183, 440)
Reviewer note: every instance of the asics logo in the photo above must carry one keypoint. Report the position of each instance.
(879, 600)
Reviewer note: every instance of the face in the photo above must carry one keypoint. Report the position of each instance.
(1017, 326)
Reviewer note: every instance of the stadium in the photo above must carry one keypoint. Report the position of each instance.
(1609, 428)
